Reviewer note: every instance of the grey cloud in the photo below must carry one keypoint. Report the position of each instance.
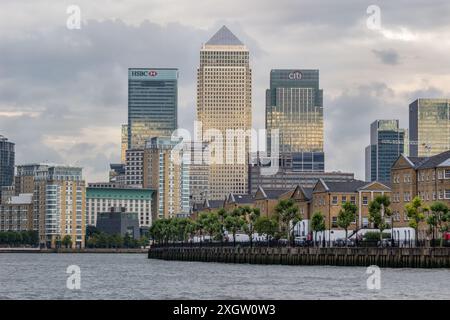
(387, 56)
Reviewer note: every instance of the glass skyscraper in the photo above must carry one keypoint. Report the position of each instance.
(152, 104)
(294, 106)
(387, 142)
(429, 127)
(7, 158)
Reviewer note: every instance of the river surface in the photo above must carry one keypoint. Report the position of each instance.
(133, 276)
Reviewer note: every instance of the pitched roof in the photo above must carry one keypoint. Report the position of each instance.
(224, 37)
(347, 186)
(240, 198)
(434, 161)
(274, 193)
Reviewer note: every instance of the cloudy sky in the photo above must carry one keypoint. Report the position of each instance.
(63, 93)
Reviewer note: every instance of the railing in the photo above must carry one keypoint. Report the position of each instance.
(386, 243)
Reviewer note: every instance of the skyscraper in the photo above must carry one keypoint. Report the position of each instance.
(387, 143)
(294, 106)
(223, 103)
(429, 127)
(7, 158)
(124, 144)
(152, 104)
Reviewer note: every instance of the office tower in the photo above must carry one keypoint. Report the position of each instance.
(387, 143)
(152, 104)
(124, 143)
(117, 173)
(294, 106)
(224, 103)
(7, 157)
(198, 171)
(170, 177)
(134, 168)
(60, 205)
(102, 198)
(429, 127)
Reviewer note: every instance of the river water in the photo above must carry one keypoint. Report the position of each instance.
(133, 276)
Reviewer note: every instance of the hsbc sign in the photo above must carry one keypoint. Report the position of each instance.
(144, 73)
(295, 75)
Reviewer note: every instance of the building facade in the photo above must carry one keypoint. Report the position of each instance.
(426, 177)
(224, 103)
(102, 198)
(429, 127)
(25, 176)
(288, 174)
(152, 104)
(387, 143)
(59, 205)
(7, 158)
(134, 174)
(118, 221)
(17, 213)
(168, 176)
(123, 143)
(294, 106)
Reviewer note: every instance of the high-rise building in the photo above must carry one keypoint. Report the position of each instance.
(294, 106)
(224, 81)
(429, 127)
(170, 177)
(134, 168)
(16, 214)
(152, 104)
(24, 179)
(124, 143)
(60, 205)
(387, 143)
(7, 157)
(198, 171)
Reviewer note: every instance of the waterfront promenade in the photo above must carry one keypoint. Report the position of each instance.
(355, 256)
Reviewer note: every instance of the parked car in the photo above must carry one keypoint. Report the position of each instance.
(385, 243)
(344, 243)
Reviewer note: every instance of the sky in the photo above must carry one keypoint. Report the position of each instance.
(63, 92)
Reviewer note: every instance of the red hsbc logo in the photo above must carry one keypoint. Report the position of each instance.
(142, 73)
(152, 73)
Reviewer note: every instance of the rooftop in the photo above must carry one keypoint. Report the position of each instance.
(224, 37)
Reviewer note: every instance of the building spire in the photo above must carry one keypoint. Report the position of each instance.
(224, 37)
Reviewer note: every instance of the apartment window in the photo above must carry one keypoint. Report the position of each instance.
(365, 201)
(344, 199)
(334, 201)
(447, 194)
(353, 199)
(334, 222)
(439, 174)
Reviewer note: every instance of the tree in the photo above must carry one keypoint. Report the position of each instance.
(267, 226)
(378, 211)
(317, 224)
(439, 215)
(233, 223)
(250, 216)
(415, 210)
(67, 241)
(287, 213)
(210, 223)
(346, 216)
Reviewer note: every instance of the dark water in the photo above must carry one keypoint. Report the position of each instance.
(133, 276)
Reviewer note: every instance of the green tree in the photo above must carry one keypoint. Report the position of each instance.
(250, 216)
(415, 210)
(234, 223)
(67, 241)
(378, 211)
(317, 224)
(288, 216)
(267, 226)
(346, 216)
(438, 218)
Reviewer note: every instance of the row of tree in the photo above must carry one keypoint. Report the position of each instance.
(19, 238)
(240, 220)
(98, 239)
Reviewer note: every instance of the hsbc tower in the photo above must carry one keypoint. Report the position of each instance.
(152, 104)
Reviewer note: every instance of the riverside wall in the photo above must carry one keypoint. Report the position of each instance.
(382, 257)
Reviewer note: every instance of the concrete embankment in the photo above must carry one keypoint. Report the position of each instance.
(382, 257)
(64, 250)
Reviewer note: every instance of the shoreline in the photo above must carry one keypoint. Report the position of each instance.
(64, 250)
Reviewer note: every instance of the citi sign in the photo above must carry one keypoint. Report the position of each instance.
(295, 75)
(144, 73)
